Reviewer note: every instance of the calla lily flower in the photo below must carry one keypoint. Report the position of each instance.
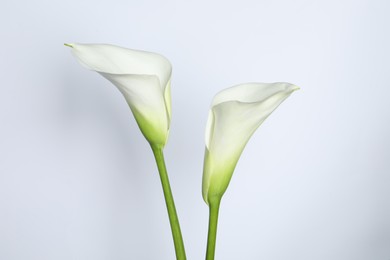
(142, 77)
(234, 116)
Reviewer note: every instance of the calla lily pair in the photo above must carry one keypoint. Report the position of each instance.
(142, 77)
(144, 80)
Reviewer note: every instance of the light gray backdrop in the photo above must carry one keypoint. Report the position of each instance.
(78, 181)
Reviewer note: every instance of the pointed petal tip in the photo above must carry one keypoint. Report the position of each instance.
(295, 88)
(68, 45)
(292, 88)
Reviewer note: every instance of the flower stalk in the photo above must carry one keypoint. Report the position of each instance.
(170, 204)
(212, 233)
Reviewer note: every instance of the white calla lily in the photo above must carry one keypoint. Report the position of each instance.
(142, 77)
(234, 116)
(144, 80)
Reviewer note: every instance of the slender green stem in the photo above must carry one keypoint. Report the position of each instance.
(173, 219)
(213, 222)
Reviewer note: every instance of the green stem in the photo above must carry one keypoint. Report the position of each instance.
(213, 222)
(173, 219)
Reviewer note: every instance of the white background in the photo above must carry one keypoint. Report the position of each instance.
(78, 180)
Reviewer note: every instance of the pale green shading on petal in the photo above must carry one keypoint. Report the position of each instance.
(142, 93)
(235, 115)
(168, 100)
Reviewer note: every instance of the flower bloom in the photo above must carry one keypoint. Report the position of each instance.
(142, 77)
(234, 116)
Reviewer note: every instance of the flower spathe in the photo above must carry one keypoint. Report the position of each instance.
(234, 116)
(142, 77)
